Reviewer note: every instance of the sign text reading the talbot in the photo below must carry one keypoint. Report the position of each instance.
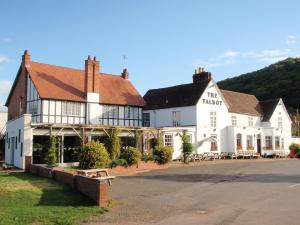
(212, 99)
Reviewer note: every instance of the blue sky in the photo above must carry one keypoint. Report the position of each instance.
(164, 40)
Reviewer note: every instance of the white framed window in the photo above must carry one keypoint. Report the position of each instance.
(249, 142)
(176, 118)
(33, 107)
(128, 112)
(146, 119)
(110, 111)
(280, 122)
(71, 108)
(239, 142)
(250, 121)
(268, 142)
(233, 121)
(168, 139)
(277, 142)
(213, 119)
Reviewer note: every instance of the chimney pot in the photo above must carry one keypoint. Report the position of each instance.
(89, 57)
(125, 74)
(26, 58)
(201, 75)
(95, 59)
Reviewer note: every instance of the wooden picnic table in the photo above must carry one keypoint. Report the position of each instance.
(99, 174)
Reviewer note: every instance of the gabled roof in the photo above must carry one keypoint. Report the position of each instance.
(175, 96)
(268, 107)
(62, 83)
(242, 103)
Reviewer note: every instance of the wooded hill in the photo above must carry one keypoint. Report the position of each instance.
(279, 80)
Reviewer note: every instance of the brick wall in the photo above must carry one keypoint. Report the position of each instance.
(64, 178)
(18, 92)
(94, 189)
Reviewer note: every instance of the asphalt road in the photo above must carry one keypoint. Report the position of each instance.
(238, 193)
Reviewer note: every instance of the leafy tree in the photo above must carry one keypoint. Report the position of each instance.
(113, 143)
(94, 155)
(51, 155)
(187, 147)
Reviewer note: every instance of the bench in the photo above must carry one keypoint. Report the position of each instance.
(99, 174)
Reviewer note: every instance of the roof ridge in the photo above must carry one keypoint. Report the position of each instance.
(242, 93)
(64, 67)
(175, 86)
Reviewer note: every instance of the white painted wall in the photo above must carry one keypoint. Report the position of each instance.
(3, 120)
(22, 124)
(163, 117)
(204, 130)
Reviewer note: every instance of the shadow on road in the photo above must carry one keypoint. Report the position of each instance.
(217, 178)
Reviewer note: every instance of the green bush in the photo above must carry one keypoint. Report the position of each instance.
(162, 154)
(131, 155)
(295, 147)
(51, 155)
(187, 147)
(147, 158)
(94, 155)
(113, 143)
(118, 162)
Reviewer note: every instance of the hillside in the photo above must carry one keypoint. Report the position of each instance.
(279, 80)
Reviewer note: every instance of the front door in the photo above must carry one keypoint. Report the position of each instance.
(258, 144)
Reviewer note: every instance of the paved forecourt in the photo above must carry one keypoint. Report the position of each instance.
(245, 193)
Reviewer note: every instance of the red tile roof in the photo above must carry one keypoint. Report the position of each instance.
(242, 103)
(61, 83)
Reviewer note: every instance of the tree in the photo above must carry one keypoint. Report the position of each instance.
(51, 156)
(113, 143)
(187, 147)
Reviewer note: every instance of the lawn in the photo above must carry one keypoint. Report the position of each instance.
(27, 199)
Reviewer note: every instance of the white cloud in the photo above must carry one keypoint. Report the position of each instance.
(230, 54)
(269, 55)
(6, 40)
(5, 86)
(4, 59)
(292, 39)
(228, 57)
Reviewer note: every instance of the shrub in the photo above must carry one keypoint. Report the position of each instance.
(51, 155)
(146, 158)
(295, 147)
(94, 155)
(118, 162)
(187, 147)
(131, 155)
(162, 154)
(113, 143)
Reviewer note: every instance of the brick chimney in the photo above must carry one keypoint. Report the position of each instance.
(125, 74)
(92, 68)
(26, 59)
(201, 75)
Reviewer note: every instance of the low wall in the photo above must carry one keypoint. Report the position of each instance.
(94, 189)
(140, 167)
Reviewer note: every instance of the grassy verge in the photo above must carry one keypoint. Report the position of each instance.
(26, 199)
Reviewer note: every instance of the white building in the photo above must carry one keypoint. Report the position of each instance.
(74, 105)
(217, 120)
